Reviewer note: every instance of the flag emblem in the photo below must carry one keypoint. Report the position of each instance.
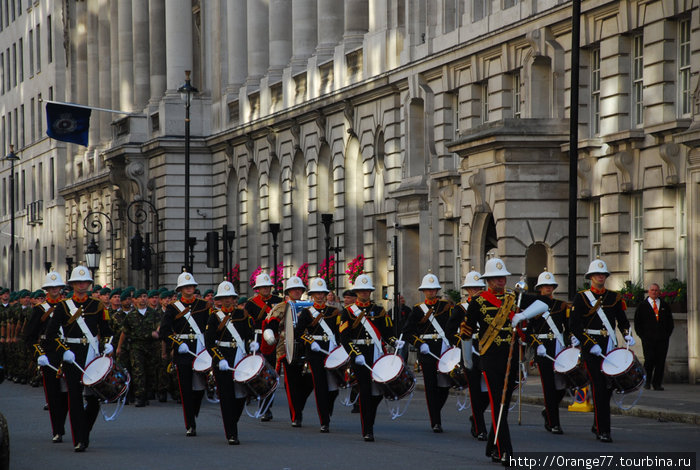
(68, 123)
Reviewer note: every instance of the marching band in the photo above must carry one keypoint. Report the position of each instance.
(240, 355)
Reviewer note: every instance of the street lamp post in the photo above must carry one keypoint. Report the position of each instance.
(93, 226)
(142, 252)
(92, 258)
(327, 220)
(274, 230)
(186, 92)
(12, 157)
(336, 252)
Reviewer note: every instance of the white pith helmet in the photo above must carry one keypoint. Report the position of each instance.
(80, 273)
(363, 282)
(430, 281)
(225, 289)
(473, 279)
(294, 282)
(53, 279)
(317, 284)
(546, 279)
(185, 279)
(495, 267)
(597, 266)
(263, 280)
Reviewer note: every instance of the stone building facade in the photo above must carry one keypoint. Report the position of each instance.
(442, 124)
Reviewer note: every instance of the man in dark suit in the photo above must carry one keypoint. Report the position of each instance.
(653, 323)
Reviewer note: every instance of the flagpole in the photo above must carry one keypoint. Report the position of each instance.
(115, 111)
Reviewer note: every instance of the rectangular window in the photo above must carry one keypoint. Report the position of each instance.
(21, 60)
(682, 231)
(38, 48)
(40, 122)
(485, 102)
(34, 183)
(32, 124)
(23, 182)
(595, 91)
(12, 9)
(52, 180)
(684, 91)
(49, 39)
(40, 183)
(517, 95)
(4, 192)
(595, 229)
(454, 98)
(31, 52)
(637, 237)
(14, 64)
(15, 135)
(637, 80)
(8, 72)
(22, 140)
(481, 9)
(2, 71)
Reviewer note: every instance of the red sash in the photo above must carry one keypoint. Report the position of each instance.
(265, 348)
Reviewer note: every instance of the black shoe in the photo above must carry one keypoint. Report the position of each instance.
(191, 432)
(505, 459)
(140, 403)
(267, 416)
(605, 437)
(437, 428)
(368, 437)
(495, 457)
(355, 408)
(556, 430)
(658, 388)
(296, 423)
(81, 447)
(546, 423)
(46, 407)
(233, 441)
(57, 438)
(482, 436)
(595, 431)
(647, 386)
(325, 429)
(473, 427)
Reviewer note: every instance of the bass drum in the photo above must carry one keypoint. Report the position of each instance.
(623, 370)
(258, 376)
(106, 379)
(294, 349)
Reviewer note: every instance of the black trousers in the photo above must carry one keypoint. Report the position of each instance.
(56, 399)
(655, 360)
(325, 399)
(368, 402)
(82, 418)
(494, 365)
(298, 387)
(434, 396)
(601, 393)
(231, 407)
(552, 396)
(479, 400)
(191, 399)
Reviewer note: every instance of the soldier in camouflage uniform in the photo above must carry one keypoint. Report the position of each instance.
(160, 380)
(140, 329)
(4, 308)
(23, 313)
(167, 374)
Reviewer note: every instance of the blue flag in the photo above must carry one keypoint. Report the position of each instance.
(68, 123)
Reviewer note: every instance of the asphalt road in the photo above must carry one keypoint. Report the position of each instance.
(154, 438)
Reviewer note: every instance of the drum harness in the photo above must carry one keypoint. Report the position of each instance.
(326, 329)
(604, 318)
(184, 311)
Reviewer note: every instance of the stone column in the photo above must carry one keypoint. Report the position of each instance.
(81, 72)
(178, 46)
(330, 27)
(356, 22)
(258, 33)
(104, 72)
(156, 32)
(126, 56)
(281, 13)
(237, 43)
(141, 38)
(304, 32)
(92, 69)
(114, 48)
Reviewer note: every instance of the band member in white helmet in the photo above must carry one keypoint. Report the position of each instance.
(460, 334)
(425, 329)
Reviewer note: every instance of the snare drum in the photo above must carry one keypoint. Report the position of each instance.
(258, 376)
(338, 364)
(393, 377)
(450, 364)
(106, 378)
(623, 370)
(202, 363)
(570, 364)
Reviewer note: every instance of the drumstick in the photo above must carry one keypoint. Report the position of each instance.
(372, 371)
(396, 350)
(81, 370)
(255, 340)
(430, 353)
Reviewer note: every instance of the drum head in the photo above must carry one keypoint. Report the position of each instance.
(566, 360)
(97, 370)
(202, 362)
(449, 360)
(617, 361)
(248, 367)
(337, 358)
(387, 368)
(290, 321)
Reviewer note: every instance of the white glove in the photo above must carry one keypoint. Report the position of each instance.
(596, 351)
(574, 341)
(475, 351)
(42, 360)
(68, 357)
(223, 365)
(108, 349)
(315, 347)
(399, 343)
(183, 348)
(254, 346)
(360, 360)
(424, 349)
(630, 340)
(269, 336)
(541, 350)
(517, 318)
